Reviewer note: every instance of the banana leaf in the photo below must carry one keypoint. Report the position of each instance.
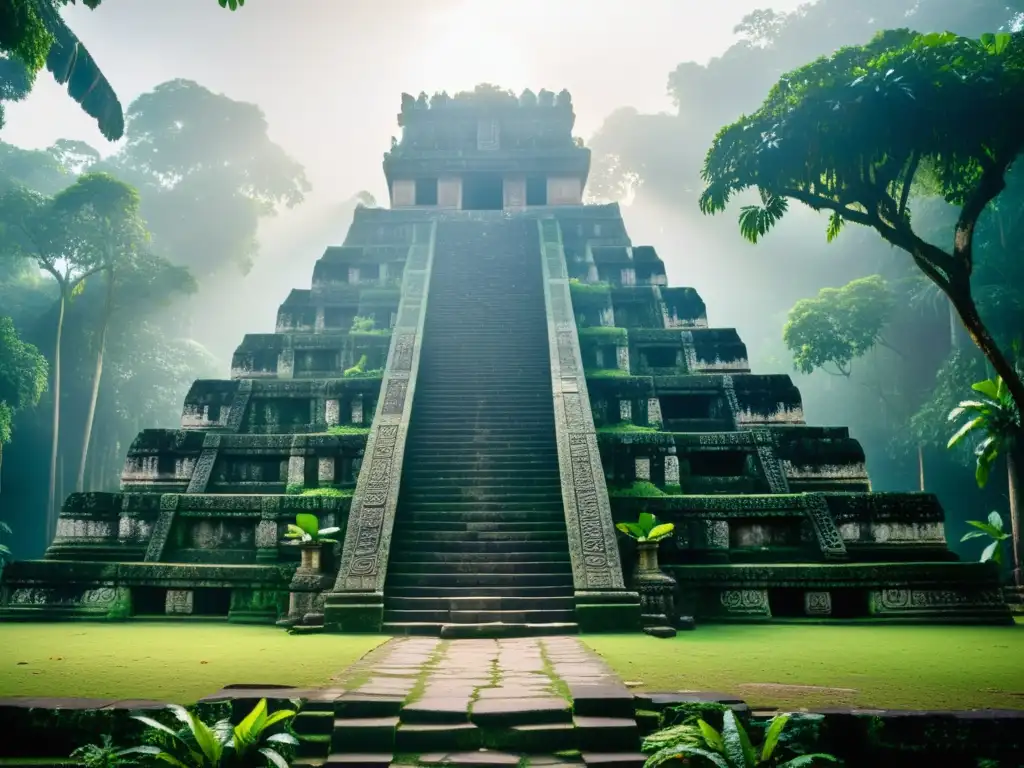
(71, 64)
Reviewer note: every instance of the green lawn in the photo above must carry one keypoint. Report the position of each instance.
(179, 662)
(902, 667)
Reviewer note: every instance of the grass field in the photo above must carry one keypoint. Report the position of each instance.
(793, 666)
(783, 666)
(179, 662)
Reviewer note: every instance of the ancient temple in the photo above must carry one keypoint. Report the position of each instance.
(480, 382)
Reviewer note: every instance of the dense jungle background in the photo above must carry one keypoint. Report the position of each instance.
(216, 219)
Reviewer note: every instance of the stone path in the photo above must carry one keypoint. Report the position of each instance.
(426, 701)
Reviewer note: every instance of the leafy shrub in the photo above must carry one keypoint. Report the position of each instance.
(356, 369)
(104, 755)
(695, 742)
(641, 488)
(362, 323)
(306, 528)
(647, 528)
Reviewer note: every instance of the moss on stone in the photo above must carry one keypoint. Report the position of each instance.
(624, 427)
(640, 488)
(348, 429)
(577, 287)
(605, 373)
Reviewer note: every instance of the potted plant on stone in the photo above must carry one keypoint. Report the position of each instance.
(307, 534)
(648, 533)
(656, 589)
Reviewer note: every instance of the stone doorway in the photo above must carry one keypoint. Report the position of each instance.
(482, 192)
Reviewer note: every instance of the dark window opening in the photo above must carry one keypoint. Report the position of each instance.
(213, 412)
(687, 406)
(149, 601)
(252, 471)
(166, 464)
(537, 190)
(849, 603)
(661, 357)
(310, 360)
(264, 360)
(426, 191)
(281, 411)
(483, 192)
(208, 601)
(718, 463)
(335, 318)
(786, 603)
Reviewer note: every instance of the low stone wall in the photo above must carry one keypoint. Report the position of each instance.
(871, 737)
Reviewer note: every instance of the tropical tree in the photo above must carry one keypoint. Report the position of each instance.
(203, 158)
(22, 379)
(32, 229)
(33, 35)
(106, 213)
(995, 418)
(851, 133)
(838, 325)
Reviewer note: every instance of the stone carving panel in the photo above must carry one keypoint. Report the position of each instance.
(829, 538)
(401, 361)
(752, 602)
(394, 397)
(179, 602)
(818, 603)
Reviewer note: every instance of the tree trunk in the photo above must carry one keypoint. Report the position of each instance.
(1014, 466)
(97, 373)
(954, 329)
(51, 504)
(982, 338)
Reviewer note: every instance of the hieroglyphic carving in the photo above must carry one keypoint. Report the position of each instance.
(729, 390)
(394, 397)
(592, 543)
(829, 539)
(746, 601)
(204, 464)
(239, 405)
(162, 528)
(818, 603)
(689, 352)
(401, 361)
(764, 441)
(363, 566)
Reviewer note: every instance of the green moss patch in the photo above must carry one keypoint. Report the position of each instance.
(166, 661)
(793, 666)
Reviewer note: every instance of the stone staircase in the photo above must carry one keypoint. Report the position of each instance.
(480, 545)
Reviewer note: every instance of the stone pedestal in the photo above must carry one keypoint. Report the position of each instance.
(657, 592)
(306, 591)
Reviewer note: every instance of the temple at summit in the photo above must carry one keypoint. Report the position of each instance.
(481, 381)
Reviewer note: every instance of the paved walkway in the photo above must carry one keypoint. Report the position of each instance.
(483, 702)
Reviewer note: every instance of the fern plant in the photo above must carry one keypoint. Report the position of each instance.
(697, 743)
(104, 755)
(198, 745)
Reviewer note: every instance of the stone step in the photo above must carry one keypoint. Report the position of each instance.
(535, 616)
(481, 579)
(607, 734)
(486, 541)
(418, 738)
(370, 734)
(414, 530)
(505, 592)
(361, 705)
(459, 477)
(493, 566)
(517, 491)
(512, 556)
(442, 428)
(428, 465)
(614, 759)
(475, 603)
(536, 450)
(477, 511)
(468, 631)
(360, 759)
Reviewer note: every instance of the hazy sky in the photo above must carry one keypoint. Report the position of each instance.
(329, 73)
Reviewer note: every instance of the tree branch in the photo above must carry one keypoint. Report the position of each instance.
(915, 161)
(993, 181)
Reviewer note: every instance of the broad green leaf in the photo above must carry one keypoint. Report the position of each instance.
(150, 722)
(982, 471)
(733, 742)
(771, 736)
(972, 535)
(328, 531)
(986, 527)
(661, 531)
(170, 759)
(294, 532)
(995, 520)
(282, 738)
(646, 521)
(274, 758)
(207, 741)
(990, 552)
(277, 717)
(965, 430)
(308, 523)
(711, 737)
(673, 753)
(807, 761)
(988, 387)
